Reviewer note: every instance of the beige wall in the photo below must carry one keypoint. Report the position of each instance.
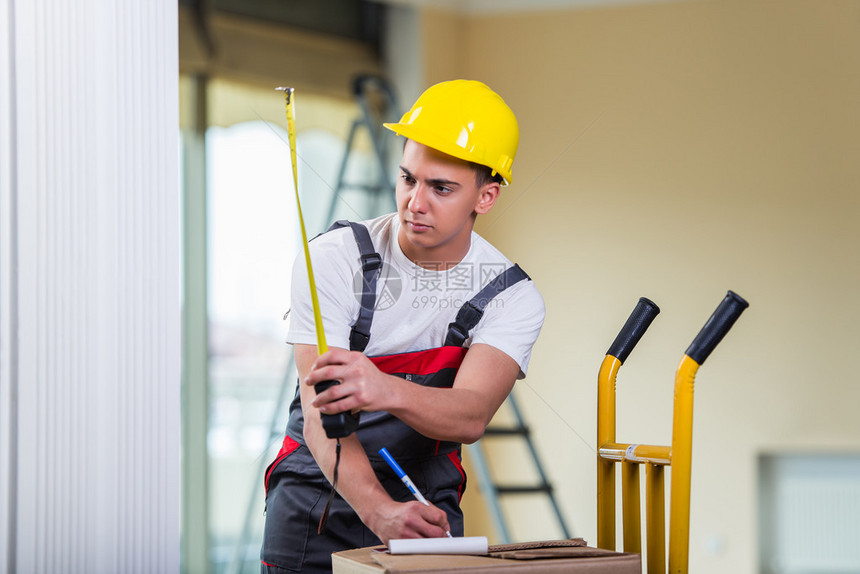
(675, 151)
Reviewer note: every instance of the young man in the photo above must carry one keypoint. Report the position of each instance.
(438, 360)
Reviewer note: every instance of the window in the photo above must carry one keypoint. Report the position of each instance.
(809, 513)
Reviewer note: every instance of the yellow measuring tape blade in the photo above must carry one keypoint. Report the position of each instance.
(291, 131)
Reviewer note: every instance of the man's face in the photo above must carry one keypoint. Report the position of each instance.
(437, 200)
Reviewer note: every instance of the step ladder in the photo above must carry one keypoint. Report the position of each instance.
(493, 490)
(376, 100)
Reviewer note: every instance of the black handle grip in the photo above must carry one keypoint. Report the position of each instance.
(638, 322)
(717, 326)
(341, 424)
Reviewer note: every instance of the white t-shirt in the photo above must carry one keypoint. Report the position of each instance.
(414, 305)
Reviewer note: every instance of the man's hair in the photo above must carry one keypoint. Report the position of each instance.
(484, 175)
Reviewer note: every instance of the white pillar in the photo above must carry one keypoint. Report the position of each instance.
(89, 286)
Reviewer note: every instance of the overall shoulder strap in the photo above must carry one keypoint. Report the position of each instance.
(371, 262)
(473, 310)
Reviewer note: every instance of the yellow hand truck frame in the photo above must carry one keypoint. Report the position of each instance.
(654, 457)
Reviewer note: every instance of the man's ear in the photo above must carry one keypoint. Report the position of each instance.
(487, 197)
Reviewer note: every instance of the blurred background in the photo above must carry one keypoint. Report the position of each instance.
(672, 150)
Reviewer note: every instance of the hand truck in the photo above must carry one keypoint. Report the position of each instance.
(655, 458)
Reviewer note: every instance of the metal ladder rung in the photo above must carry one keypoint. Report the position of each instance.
(518, 431)
(524, 489)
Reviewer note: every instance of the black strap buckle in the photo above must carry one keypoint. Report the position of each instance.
(371, 261)
(357, 340)
(469, 315)
(467, 318)
(455, 337)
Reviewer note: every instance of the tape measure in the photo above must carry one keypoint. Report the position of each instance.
(341, 424)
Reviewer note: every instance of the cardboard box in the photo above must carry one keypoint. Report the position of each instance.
(544, 557)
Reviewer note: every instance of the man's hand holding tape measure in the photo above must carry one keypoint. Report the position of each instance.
(362, 386)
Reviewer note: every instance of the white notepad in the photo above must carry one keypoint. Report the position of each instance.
(461, 545)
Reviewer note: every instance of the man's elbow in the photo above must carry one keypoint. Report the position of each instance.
(472, 432)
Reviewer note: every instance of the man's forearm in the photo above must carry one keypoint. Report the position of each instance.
(361, 489)
(447, 414)
(461, 413)
(357, 482)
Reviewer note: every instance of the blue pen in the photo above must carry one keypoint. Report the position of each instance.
(404, 478)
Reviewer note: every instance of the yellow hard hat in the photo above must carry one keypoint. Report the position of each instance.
(465, 119)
